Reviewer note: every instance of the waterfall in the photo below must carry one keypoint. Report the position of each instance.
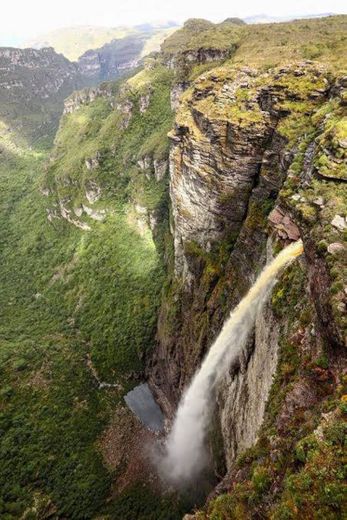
(184, 450)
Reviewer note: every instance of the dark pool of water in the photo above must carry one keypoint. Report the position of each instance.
(141, 402)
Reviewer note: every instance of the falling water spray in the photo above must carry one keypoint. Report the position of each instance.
(184, 450)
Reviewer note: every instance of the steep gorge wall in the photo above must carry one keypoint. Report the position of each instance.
(239, 149)
(33, 86)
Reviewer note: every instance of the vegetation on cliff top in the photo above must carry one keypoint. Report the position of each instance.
(73, 297)
(266, 45)
(199, 34)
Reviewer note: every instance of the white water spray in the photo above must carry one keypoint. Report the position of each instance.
(184, 456)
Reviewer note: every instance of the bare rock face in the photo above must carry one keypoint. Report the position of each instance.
(213, 164)
(243, 395)
(190, 57)
(86, 96)
(225, 136)
(35, 82)
(176, 94)
(229, 160)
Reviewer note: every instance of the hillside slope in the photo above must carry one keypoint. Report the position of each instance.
(120, 55)
(123, 250)
(80, 277)
(34, 84)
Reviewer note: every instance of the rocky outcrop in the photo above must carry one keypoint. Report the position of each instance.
(230, 158)
(198, 56)
(176, 93)
(93, 192)
(219, 147)
(86, 96)
(113, 59)
(35, 82)
(199, 42)
(285, 227)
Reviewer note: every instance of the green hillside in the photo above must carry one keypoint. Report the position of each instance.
(266, 45)
(87, 264)
(68, 294)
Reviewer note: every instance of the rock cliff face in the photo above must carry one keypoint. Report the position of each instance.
(227, 166)
(33, 85)
(239, 150)
(245, 391)
(113, 59)
(162, 199)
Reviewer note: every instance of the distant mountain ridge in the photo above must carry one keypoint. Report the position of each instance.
(33, 86)
(73, 42)
(264, 18)
(35, 82)
(121, 55)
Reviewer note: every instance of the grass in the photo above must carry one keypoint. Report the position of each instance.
(268, 45)
(265, 46)
(201, 34)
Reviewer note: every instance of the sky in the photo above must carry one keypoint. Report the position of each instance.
(23, 19)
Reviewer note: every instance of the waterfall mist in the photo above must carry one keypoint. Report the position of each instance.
(185, 455)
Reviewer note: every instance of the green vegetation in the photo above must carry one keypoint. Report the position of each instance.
(96, 130)
(199, 34)
(268, 45)
(331, 159)
(317, 489)
(265, 45)
(69, 296)
(50, 412)
(81, 298)
(141, 502)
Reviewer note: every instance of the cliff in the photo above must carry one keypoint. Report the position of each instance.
(34, 84)
(112, 59)
(124, 250)
(245, 177)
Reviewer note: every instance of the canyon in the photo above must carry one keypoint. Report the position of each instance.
(128, 242)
